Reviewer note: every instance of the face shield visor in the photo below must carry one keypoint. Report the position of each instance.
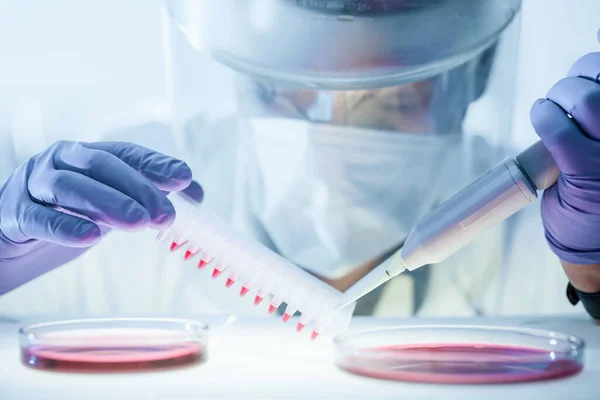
(342, 44)
(342, 122)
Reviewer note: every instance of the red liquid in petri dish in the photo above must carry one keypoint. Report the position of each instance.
(460, 364)
(112, 359)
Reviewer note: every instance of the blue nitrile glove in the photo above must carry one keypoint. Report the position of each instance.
(116, 185)
(571, 208)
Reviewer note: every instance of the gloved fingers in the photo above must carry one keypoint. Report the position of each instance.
(84, 196)
(167, 173)
(566, 206)
(194, 191)
(587, 66)
(563, 138)
(39, 222)
(115, 173)
(581, 99)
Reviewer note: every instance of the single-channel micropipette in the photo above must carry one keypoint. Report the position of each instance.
(500, 193)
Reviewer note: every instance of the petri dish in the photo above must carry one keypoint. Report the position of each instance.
(449, 354)
(113, 344)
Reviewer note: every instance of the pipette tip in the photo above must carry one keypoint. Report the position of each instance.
(377, 277)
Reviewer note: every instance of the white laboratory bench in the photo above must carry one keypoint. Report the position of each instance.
(263, 358)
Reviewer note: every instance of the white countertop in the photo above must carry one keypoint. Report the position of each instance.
(263, 358)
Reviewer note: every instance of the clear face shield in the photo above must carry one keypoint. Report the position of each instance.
(336, 124)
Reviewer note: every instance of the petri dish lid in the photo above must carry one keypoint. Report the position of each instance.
(457, 354)
(113, 344)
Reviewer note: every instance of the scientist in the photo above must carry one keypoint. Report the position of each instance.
(334, 194)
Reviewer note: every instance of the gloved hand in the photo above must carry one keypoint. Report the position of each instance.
(115, 185)
(571, 208)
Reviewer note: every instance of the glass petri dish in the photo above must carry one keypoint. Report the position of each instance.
(448, 354)
(113, 344)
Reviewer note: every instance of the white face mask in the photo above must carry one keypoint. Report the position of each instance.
(332, 198)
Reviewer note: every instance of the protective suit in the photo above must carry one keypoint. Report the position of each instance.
(331, 179)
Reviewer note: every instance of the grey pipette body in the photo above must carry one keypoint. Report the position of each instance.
(500, 193)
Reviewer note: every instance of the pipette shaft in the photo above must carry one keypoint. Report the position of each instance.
(500, 193)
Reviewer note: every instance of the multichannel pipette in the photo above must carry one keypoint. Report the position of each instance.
(262, 272)
(500, 193)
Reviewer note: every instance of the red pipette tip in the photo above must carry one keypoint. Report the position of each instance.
(243, 291)
(314, 335)
(286, 317)
(216, 273)
(229, 282)
(202, 263)
(188, 254)
(299, 327)
(272, 308)
(257, 300)
(174, 246)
